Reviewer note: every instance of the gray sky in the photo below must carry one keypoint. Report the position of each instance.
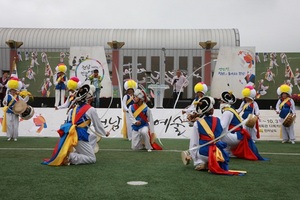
(269, 25)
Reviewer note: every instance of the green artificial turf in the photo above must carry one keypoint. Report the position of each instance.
(24, 177)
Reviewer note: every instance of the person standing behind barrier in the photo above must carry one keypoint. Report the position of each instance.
(249, 106)
(284, 107)
(60, 80)
(239, 142)
(207, 127)
(130, 86)
(3, 81)
(178, 82)
(10, 123)
(72, 84)
(96, 80)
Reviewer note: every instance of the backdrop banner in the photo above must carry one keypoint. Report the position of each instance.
(90, 58)
(168, 123)
(235, 69)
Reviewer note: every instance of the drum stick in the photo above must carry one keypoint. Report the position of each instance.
(111, 128)
(98, 134)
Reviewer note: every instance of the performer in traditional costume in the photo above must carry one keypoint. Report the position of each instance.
(127, 101)
(143, 135)
(60, 80)
(74, 134)
(247, 107)
(72, 84)
(10, 122)
(285, 107)
(207, 128)
(239, 142)
(200, 89)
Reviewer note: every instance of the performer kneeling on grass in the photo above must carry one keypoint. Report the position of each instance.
(239, 142)
(73, 85)
(142, 123)
(73, 134)
(212, 156)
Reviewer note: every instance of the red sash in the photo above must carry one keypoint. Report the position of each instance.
(243, 150)
(141, 114)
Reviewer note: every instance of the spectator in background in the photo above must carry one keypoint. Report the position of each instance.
(96, 80)
(3, 82)
(178, 82)
(26, 55)
(19, 56)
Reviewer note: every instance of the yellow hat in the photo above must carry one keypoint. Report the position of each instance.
(130, 84)
(14, 84)
(284, 88)
(249, 92)
(73, 83)
(200, 87)
(61, 67)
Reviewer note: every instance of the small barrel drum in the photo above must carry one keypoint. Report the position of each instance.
(251, 121)
(23, 110)
(288, 120)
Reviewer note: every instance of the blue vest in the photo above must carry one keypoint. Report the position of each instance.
(61, 85)
(9, 99)
(81, 131)
(138, 118)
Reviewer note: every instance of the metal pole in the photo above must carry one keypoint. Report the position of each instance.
(162, 69)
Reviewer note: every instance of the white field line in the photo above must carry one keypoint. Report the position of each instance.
(127, 150)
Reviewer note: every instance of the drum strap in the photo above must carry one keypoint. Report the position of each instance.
(138, 112)
(235, 113)
(217, 152)
(245, 106)
(60, 78)
(129, 100)
(207, 128)
(282, 103)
